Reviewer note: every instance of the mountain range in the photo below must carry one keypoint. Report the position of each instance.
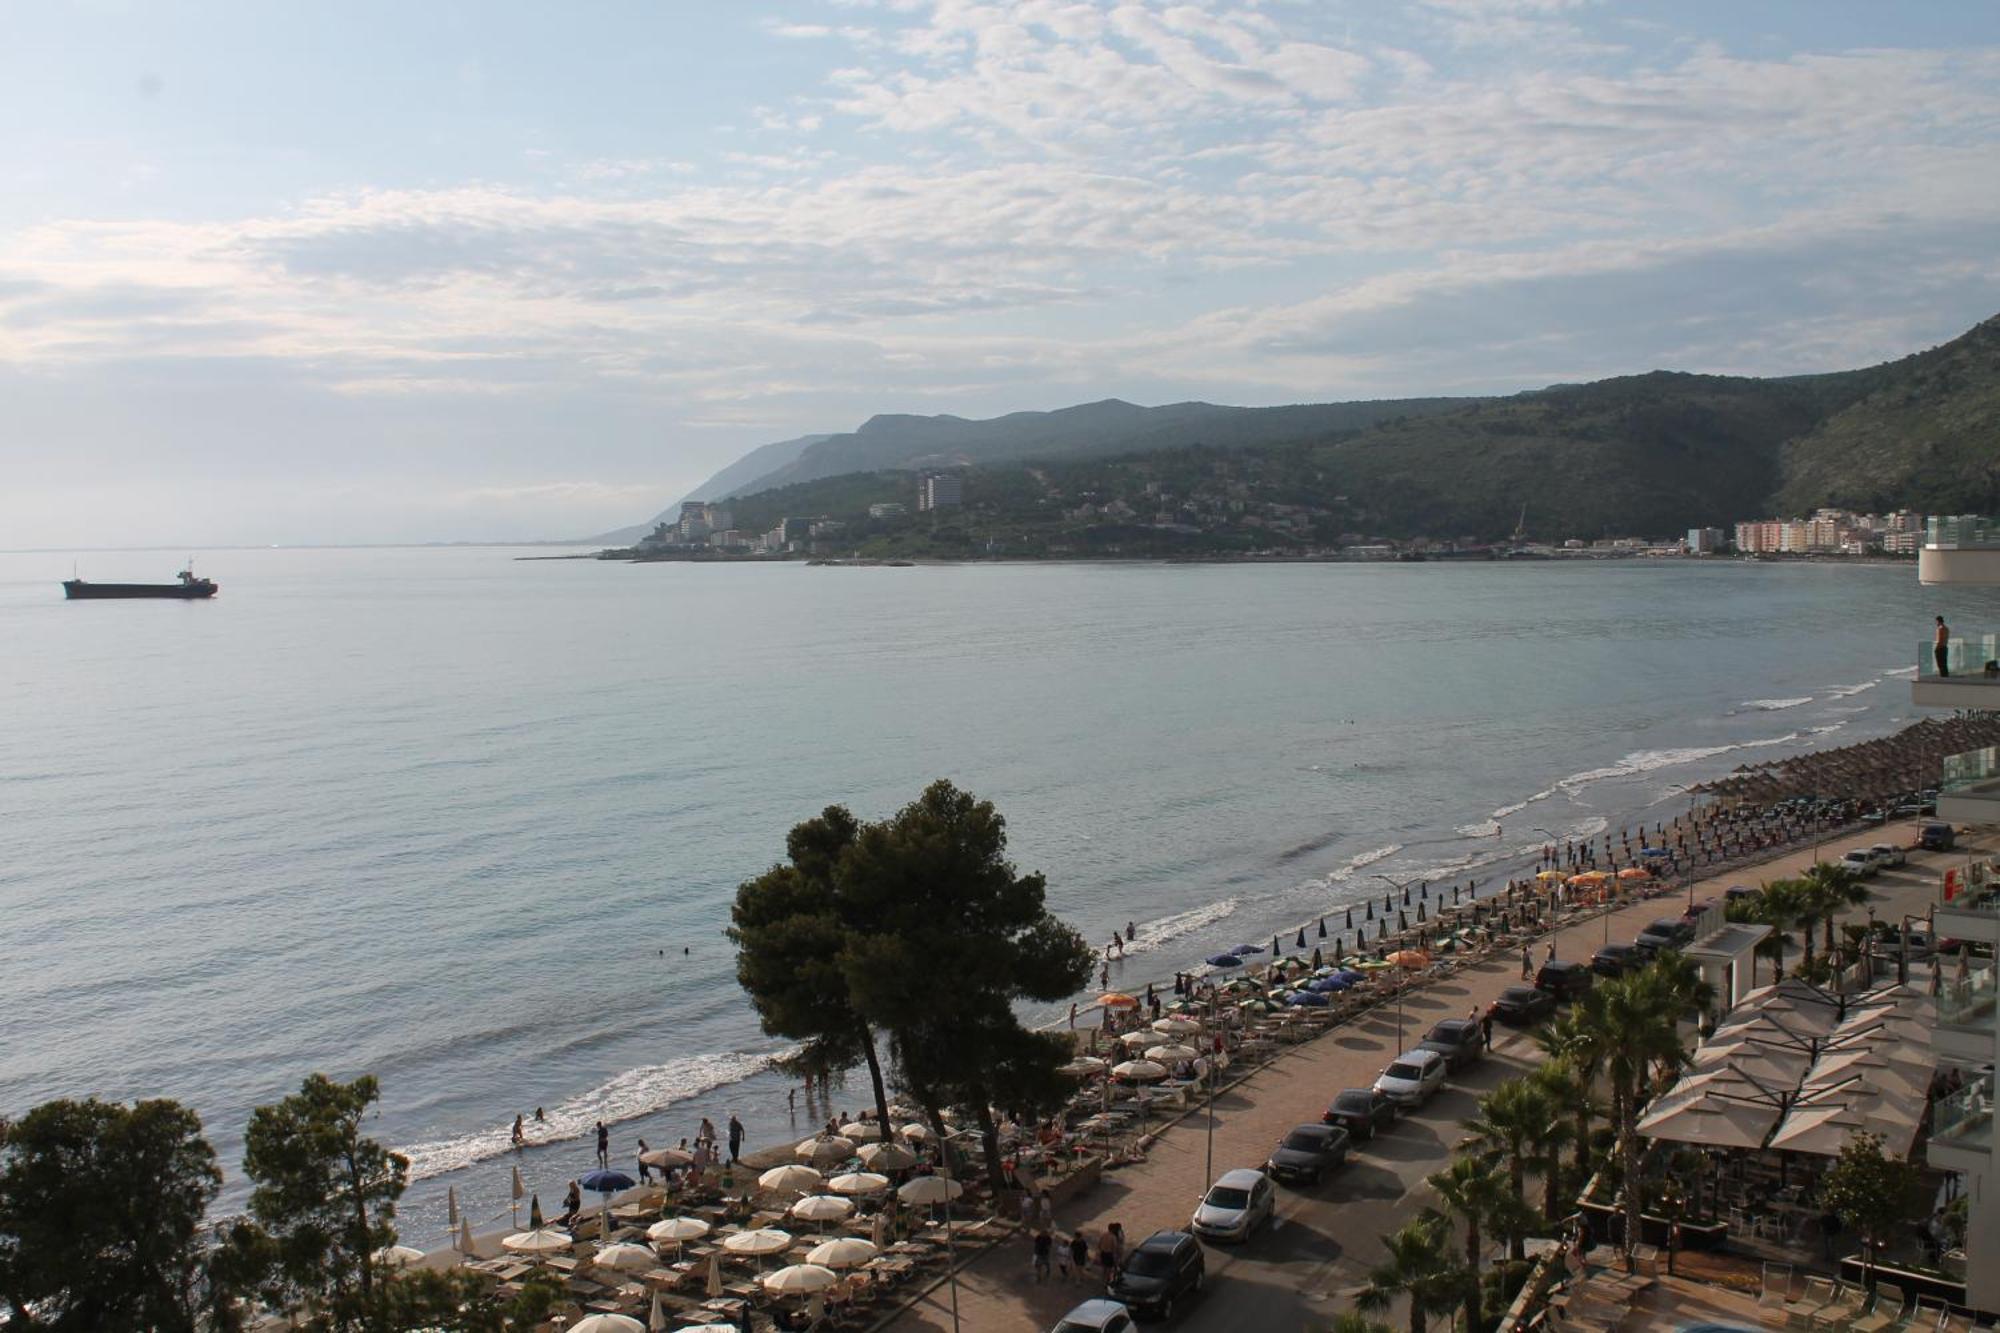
(1647, 454)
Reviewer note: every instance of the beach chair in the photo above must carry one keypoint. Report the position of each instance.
(1847, 1304)
(1818, 1292)
(1953, 1321)
(1776, 1288)
(1925, 1315)
(1885, 1314)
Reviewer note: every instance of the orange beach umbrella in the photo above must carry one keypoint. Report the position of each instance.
(1589, 877)
(1410, 958)
(1117, 1000)
(1635, 872)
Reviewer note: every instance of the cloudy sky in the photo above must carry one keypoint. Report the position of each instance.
(361, 271)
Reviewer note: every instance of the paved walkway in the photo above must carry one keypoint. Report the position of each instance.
(1305, 1270)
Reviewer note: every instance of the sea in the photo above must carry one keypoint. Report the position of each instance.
(471, 819)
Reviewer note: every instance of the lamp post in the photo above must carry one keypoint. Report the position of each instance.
(1399, 987)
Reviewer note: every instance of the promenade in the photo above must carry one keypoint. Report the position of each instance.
(1307, 1267)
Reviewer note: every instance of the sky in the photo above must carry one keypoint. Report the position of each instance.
(352, 271)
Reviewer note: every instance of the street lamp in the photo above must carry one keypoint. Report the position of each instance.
(1404, 887)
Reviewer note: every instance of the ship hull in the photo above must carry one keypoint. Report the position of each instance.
(77, 590)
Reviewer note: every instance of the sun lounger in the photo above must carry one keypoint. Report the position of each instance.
(1819, 1292)
(1925, 1316)
(1847, 1305)
(1885, 1314)
(1955, 1322)
(1777, 1286)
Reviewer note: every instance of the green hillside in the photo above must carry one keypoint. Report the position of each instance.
(1926, 437)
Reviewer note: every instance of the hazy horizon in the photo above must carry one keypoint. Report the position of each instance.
(367, 274)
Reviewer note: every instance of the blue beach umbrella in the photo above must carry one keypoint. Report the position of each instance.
(1350, 976)
(1323, 984)
(1247, 948)
(1224, 960)
(1308, 999)
(606, 1182)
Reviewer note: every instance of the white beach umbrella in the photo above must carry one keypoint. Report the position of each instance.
(465, 1246)
(1176, 1026)
(790, 1180)
(887, 1157)
(1139, 1038)
(1176, 1051)
(915, 1132)
(607, 1323)
(842, 1252)
(665, 1157)
(398, 1256)
(861, 1131)
(1140, 1071)
(825, 1149)
(677, 1229)
(625, 1257)
(858, 1182)
(764, 1240)
(799, 1280)
(925, 1190)
(822, 1208)
(547, 1240)
(1082, 1066)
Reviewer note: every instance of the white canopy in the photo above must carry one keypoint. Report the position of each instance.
(822, 1208)
(1713, 1120)
(799, 1279)
(765, 1240)
(858, 1182)
(843, 1252)
(790, 1179)
(547, 1240)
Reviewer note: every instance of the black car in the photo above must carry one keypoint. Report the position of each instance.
(1615, 960)
(1936, 838)
(1458, 1040)
(1523, 1006)
(1308, 1153)
(1563, 979)
(1667, 933)
(1165, 1267)
(1361, 1111)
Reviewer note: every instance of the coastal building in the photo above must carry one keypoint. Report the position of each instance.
(890, 510)
(1965, 552)
(940, 490)
(699, 520)
(1705, 541)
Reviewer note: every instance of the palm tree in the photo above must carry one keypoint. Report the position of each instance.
(1558, 1087)
(1418, 1265)
(1511, 1122)
(1352, 1321)
(1781, 905)
(1475, 1189)
(1834, 889)
(1639, 1028)
(1571, 1042)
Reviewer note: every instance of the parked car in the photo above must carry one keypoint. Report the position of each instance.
(1164, 1268)
(1615, 960)
(1735, 891)
(1308, 1153)
(1563, 979)
(1458, 1040)
(1235, 1206)
(1861, 861)
(1921, 943)
(1888, 856)
(1523, 1006)
(1672, 932)
(1098, 1316)
(1361, 1111)
(1937, 838)
(1412, 1077)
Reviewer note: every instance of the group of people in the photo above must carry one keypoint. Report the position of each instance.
(1070, 1258)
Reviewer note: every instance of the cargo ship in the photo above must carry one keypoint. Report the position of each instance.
(186, 589)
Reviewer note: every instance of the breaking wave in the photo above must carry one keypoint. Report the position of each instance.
(1774, 705)
(1153, 934)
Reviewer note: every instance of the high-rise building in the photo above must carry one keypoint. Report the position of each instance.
(940, 490)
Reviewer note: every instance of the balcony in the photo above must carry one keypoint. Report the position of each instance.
(1969, 791)
(1962, 1127)
(1963, 549)
(1965, 1017)
(1965, 681)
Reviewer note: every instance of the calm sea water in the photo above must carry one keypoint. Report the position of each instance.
(452, 818)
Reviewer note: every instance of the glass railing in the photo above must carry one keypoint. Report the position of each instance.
(1965, 1118)
(1964, 659)
(1967, 772)
(1962, 532)
(1967, 1002)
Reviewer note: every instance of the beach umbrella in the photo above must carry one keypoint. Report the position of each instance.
(543, 1240)
(679, 1230)
(763, 1241)
(1081, 1067)
(1411, 959)
(1224, 960)
(665, 1157)
(1176, 1027)
(1139, 1071)
(1350, 918)
(1131, 1039)
(398, 1256)
(790, 1179)
(822, 1208)
(607, 1323)
(451, 1201)
(1322, 927)
(1330, 983)
(878, 1232)
(1307, 999)
(799, 1280)
(625, 1257)
(656, 1319)
(1247, 948)
(1168, 1054)
(844, 1252)
(861, 1131)
(606, 1182)
(713, 1284)
(927, 1190)
(1635, 872)
(858, 1182)
(825, 1149)
(535, 1213)
(892, 1156)
(1117, 1000)
(465, 1236)
(915, 1132)
(1274, 946)
(1420, 912)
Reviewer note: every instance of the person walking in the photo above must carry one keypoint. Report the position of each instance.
(735, 1139)
(1527, 963)
(1941, 648)
(1110, 1249)
(1486, 1029)
(1044, 1249)
(645, 1171)
(603, 1145)
(1079, 1257)
(1043, 1211)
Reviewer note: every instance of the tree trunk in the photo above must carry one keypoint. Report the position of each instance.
(989, 1140)
(1551, 1183)
(1628, 1142)
(875, 1079)
(1417, 1322)
(1472, 1294)
(1517, 1244)
(365, 1260)
(1582, 1145)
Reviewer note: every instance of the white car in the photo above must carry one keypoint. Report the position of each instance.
(1412, 1077)
(1886, 854)
(1099, 1316)
(1861, 861)
(1235, 1206)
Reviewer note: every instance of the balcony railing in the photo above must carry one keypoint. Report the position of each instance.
(1970, 771)
(1965, 1118)
(1964, 660)
(1962, 532)
(1972, 886)
(1967, 1003)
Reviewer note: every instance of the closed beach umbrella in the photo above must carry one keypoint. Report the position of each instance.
(451, 1201)
(607, 1323)
(665, 1157)
(858, 1182)
(1168, 1054)
(799, 1280)
(845, 1252)
(465, 1236)
(626, 1257)
(791, 1179)
(398, 1256)
(763, 1241)
(927, 1190)
(543, 1240)
(826, 1149)
(535, 1213)
(822, 1208)
(1139, 1071)
(861, 1131)
(892, 1156)
(713, 1285)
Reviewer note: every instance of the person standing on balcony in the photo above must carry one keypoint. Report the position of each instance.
(1940, 649)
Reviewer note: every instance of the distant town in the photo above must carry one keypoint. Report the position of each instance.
(935, 521)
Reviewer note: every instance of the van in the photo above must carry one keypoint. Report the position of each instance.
(1937, 838)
